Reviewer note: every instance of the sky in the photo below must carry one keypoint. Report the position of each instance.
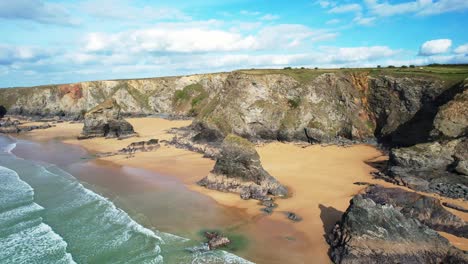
(57, 41)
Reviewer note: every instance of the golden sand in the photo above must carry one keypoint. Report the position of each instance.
(320, 179)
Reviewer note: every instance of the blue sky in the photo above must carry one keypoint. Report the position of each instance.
(56, 41)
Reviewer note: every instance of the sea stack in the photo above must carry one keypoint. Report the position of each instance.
(105, 120)
(238, 169)
(374, 233)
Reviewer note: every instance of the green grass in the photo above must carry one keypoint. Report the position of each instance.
(449, 73)
(193, 96)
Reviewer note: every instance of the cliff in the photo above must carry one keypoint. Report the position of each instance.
(393, 105)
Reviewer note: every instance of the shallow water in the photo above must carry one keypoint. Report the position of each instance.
(48, 216)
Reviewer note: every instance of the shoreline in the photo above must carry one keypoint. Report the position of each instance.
(321, 190)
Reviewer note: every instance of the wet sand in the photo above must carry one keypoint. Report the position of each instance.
(320, 178)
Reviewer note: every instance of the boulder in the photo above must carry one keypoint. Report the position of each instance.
(425, 209)
(105, 120)
(373, 233)
(238, 169)
(451, 120)
(438, 167)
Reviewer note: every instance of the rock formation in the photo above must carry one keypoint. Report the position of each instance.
(3, 111)
(438, 167)
(238, 169)
(425, 209)
(372, 233)
(105, 120)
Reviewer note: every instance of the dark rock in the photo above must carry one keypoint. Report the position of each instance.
(218, 242)
(455, 207)
(206, 133)
(3, 111)
(268, 210)
(293, 217)
(105, 120)
(269, 203)
(363, 183)
(141, 146)
(372, 233)
(215, 240)
(451, 120)
(238, 169)
(432, 167)
(425, 209)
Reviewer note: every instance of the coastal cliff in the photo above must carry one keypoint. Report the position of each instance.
(394, 106)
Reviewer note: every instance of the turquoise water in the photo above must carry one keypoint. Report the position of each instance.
(48, 216)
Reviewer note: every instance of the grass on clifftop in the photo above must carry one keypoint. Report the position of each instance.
(449, 73)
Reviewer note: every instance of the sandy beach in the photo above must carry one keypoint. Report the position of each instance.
(320, 177)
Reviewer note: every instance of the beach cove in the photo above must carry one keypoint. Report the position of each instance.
(160, 188)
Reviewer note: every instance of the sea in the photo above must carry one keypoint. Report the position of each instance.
(49, 216)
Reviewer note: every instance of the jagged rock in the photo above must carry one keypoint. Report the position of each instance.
(372, 233)
(427, 210)
(293, 217)
(432, 167)
(105, 120)
(238, 169)
(455, 207)
(218, 241)
(141, 146)
(3, 111)
(451, 120)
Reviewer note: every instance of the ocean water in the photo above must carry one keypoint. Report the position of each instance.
(48, 216)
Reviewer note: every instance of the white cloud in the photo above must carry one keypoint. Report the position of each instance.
(126, 10)
(462, 49)
(176, 38)
(436, 46)
(364, 21)
(10, 55)
(269, 17)
(37, 11)
(419, 7)
(349, 8)
(249, 13)
(333, 21)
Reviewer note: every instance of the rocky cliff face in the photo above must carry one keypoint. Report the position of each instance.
(297, 104)
(372, 233)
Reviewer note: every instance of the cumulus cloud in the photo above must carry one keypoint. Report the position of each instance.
(462, 49)
(177, 39)
(349, 8)
(36, 10)
(15, 54)
(436, 46)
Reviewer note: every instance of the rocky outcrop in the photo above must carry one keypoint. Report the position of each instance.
(438, 167)
(238, 169)
(425, 209)
(105, 120)
(3, 111)
(451, 120)
(372, 233)
(135, 147)
(9, 126)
